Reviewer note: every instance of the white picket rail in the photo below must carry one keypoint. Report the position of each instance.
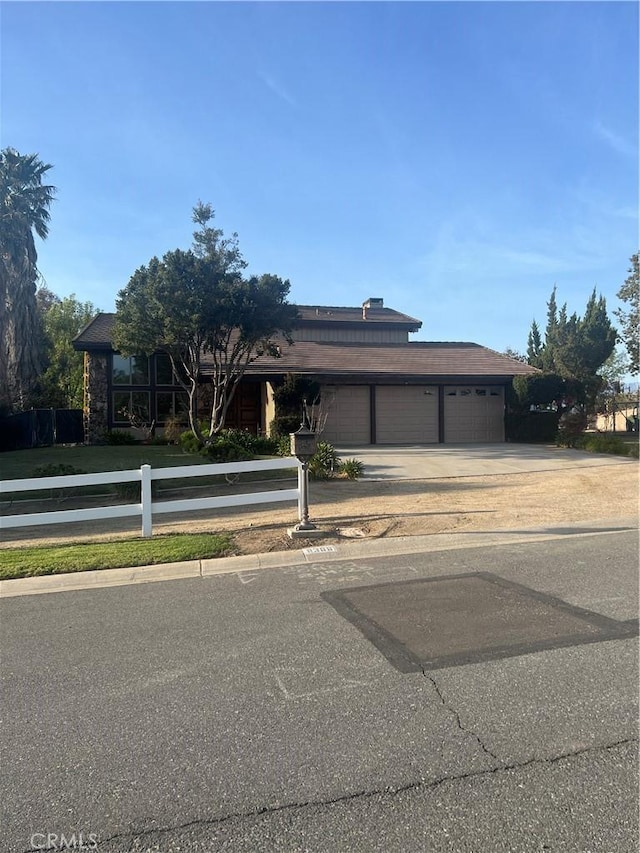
(147, 507)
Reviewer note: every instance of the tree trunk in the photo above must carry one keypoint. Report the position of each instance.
(21, 363)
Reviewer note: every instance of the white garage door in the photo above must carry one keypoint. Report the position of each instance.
(406, 414)
(348, 419)
(473, 414)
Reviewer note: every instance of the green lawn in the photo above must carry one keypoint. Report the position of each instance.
(16, 464)
(25, 562)
(61, 559)
(19, 464)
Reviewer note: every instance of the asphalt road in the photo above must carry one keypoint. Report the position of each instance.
(243, 712)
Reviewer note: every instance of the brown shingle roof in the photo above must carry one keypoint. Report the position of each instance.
(427, 360)
(322, 314)
(404, 361)
(99, 330)
(96, 334)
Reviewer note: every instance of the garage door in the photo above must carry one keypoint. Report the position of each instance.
(348, 418)
(406, 414)
(473, 414)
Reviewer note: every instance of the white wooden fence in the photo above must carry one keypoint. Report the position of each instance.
(147, 507)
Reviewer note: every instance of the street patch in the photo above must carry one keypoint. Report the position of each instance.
(461, 619)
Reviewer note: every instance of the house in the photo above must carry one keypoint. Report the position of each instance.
(378, 387)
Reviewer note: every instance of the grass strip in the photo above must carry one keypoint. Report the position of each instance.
(61, 559)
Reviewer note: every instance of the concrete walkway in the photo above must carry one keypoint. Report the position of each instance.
(435, 461)
(246, 566)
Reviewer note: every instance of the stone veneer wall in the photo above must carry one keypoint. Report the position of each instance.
(96, 390)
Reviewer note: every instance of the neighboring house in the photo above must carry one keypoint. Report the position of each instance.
(379, 387)
(622, 418)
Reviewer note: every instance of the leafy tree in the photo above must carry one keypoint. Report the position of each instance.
(197, 307)
(61, 384)
(612, 395)
(614, 369)
(24, 210)
(630, 318)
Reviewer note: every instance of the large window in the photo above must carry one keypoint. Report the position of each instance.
(130, 370)
(164, 371)
(172, 404)
(131, 406)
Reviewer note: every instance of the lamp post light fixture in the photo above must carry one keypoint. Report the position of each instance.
(304, 444)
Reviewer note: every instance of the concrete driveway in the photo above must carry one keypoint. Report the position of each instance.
(436, 461)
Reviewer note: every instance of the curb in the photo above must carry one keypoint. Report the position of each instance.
(322, 553)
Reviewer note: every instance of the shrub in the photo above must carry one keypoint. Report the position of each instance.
(189, 442)
(571, 427)
(223, 449)
(325, 462)
(284, 425)
(119, 437)
(264, 445)
(603, 443)
(173, 429)
(633, 450)
(351, 469)
(258, 445)
(56, 470)
(60, 470)
(283, 445)
(531, 427)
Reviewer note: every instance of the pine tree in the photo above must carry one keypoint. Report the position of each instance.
(534, 345)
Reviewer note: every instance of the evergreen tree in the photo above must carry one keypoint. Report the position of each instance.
(534, 345)
(574, 347)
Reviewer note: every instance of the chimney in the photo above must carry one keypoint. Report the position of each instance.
(372, 302)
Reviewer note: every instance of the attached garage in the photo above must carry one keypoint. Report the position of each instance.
(406, 414)
(349, 414)
(413, 414)
(473, 414)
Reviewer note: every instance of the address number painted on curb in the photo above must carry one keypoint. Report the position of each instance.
(319, 549)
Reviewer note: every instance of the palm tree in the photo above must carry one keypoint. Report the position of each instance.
(24, 209)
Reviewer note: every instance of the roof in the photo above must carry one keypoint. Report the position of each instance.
(410, 361)
(312, 315)
(97, 334)
(427, 360)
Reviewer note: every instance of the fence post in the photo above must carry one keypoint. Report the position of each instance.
(145, 498)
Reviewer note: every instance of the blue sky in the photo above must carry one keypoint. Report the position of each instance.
(457, 159)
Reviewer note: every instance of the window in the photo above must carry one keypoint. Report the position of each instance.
(164, 371)
(130, 370)
(131, 403)
(172, 404)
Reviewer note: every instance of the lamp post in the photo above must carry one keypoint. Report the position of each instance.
(304, 444)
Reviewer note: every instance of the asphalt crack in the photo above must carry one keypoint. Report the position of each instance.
(456, 716)
(346, 798)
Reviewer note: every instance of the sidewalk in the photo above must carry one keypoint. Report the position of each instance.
(353, 550)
